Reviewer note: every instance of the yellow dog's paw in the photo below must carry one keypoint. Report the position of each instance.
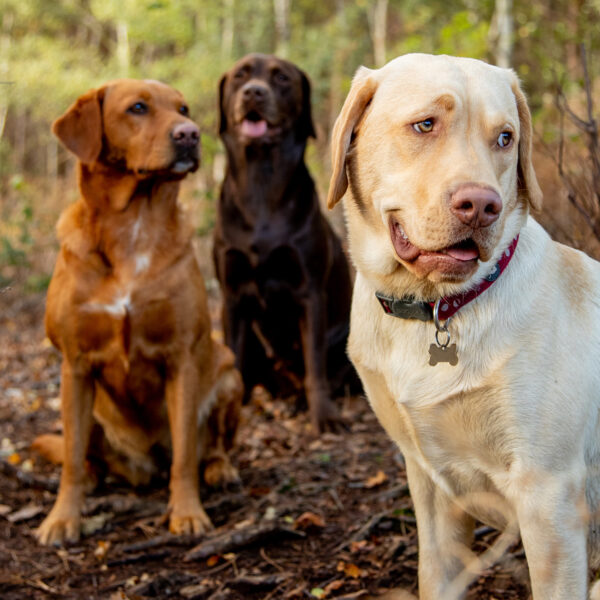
(185, 522)
(58, 528)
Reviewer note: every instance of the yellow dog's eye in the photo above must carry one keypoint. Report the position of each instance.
(425, 126)
(504, 139)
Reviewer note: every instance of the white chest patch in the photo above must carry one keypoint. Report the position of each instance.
(142, 262)
(118, 308)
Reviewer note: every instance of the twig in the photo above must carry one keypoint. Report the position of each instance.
(162, 540)
(234, 540)
(28, 479)
(131, 560)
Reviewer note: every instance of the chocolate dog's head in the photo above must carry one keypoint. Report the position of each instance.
(140, 127)
(262, 98)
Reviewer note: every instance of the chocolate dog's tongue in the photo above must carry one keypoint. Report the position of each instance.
(254, 129)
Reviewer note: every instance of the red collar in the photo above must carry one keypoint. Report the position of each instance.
(407, 308)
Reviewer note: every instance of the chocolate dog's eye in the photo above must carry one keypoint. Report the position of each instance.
(425, 126)
(281, 77)
(504, 139)
(139, 108)
(184, 110)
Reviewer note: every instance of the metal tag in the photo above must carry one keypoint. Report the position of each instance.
(441, 354)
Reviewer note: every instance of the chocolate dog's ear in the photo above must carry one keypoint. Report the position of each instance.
(80, 128)
(304, 125)
(361, 93)
(222, 114)
(527, 184)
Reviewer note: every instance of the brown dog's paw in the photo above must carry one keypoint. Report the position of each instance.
(220, 472)
(59, 527)
(193, 521)
(326, 417)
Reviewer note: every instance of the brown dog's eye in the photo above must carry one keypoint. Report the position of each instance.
(139, 108)
(425, 126)
(504, 139)
(281, 77)
(184, 110)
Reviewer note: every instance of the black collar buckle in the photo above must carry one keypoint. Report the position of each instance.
(406, 308)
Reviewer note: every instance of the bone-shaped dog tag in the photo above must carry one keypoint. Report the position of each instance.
(440, 354)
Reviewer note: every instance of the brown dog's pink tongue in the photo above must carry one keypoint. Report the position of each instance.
(254, 129)
(463, 253)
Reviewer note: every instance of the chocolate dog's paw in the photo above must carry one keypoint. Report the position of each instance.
(58, 528)
(326, 417)
(186, 522)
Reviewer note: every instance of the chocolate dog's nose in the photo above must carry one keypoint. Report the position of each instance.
(476, 206)
(253, 91)
(185, 134)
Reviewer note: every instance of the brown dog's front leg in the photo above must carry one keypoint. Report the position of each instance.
(77, 400)
(186, 512)
(313, 328)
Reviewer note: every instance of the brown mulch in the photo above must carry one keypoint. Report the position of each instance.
(325, 517)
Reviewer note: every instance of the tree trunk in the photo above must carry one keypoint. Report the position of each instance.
(282, 27)
(228, 29)
(378, 21)
(501, 33)
(123, 48)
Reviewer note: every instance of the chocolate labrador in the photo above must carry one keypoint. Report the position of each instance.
(284, 275)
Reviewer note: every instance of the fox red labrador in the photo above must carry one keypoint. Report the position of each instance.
(127, 308)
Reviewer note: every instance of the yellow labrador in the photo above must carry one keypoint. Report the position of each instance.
(494, 404)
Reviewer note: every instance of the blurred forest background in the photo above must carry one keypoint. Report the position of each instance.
(52, 51)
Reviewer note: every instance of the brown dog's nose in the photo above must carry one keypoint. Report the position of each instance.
(476, 206)
(185, 134)
(253, 91)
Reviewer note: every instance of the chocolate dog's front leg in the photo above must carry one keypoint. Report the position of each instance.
(77, 400)
(313, 329)
(183, 393)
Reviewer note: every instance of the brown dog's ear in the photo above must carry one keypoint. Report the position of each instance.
(222, 114)
(304, 125)
(80, 128)
(361, 93)
(527, 184)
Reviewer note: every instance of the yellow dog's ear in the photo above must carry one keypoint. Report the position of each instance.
(527, 185)
(361, 93)
(80, 128)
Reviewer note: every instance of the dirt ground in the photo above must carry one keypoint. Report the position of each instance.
(325, 517)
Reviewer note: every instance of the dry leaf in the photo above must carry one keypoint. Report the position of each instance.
(349, 569)
(309, 519)
(377, 479)
(213, 560)
(14, 458)
(102, 549)
(25, 513)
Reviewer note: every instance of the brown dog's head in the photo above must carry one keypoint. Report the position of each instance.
(436, 151)
(263, 97)
(139, 127)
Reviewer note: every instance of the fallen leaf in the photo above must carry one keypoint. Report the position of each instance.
(334, 585)
(102, 549)
(349, 569)
(358, 545)
(90, 525)
(25, 513)
(309, 519)
(377, 479)
(318, 593)
(27, 465)
(14, 458)
(213, 560)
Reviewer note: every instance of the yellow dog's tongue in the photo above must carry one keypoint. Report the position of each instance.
(254, 129)
(463, 253)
